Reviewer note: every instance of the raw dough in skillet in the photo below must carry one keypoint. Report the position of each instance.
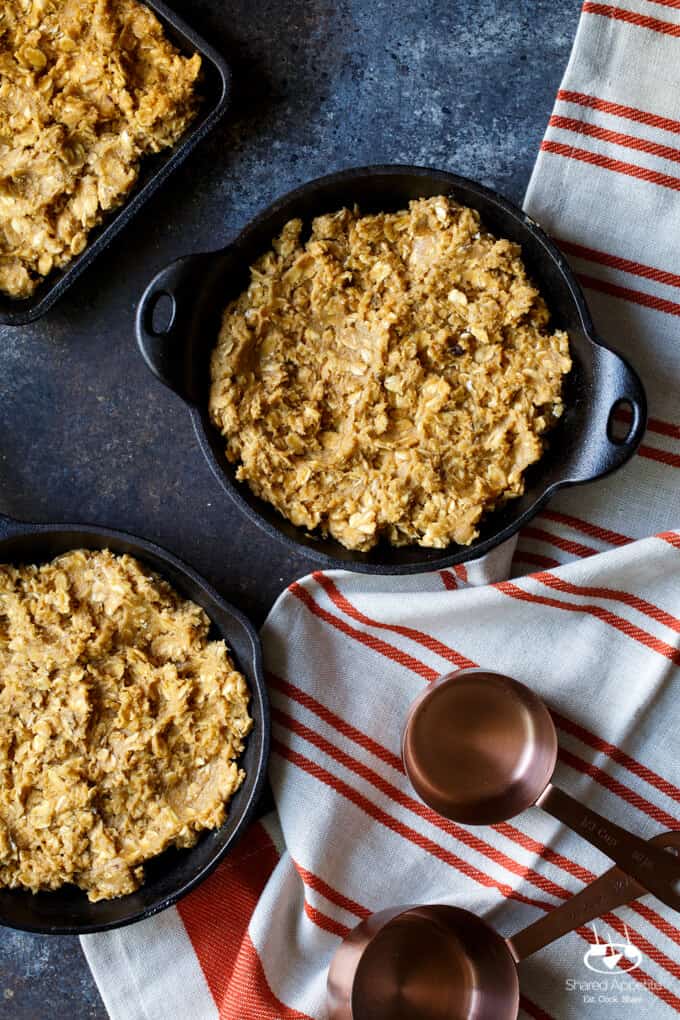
(121, 724)
(391, 377)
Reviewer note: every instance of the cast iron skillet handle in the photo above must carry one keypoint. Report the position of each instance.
(621, 388)
(171, 296)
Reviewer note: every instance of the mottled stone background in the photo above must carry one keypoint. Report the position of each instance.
(88, 434)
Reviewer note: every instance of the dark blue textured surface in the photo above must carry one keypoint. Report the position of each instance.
(87, 434)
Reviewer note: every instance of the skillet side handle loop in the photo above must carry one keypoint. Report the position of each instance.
(622, 391)
(164, 317)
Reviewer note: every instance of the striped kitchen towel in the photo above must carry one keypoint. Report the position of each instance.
(596, 630)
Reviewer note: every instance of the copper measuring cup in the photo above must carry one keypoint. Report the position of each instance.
(445, 963)
(479, 748)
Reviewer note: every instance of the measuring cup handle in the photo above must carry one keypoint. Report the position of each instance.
(657, 871)
(611, 890)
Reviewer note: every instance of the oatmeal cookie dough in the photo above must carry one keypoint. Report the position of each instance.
(391, 376)
(87, 89)
(120, 723)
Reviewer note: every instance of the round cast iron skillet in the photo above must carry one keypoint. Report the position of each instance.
(174, 873)
(582, 447)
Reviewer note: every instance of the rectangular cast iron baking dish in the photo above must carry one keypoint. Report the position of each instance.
(214, 87)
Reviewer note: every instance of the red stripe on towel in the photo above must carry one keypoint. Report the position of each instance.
(619, 262)
(575, 548)
(616, 165)
(620, 110)
(638, 297)
(632, 18)
(228, 958)
(643, 637)
(594, 530)
(615, 595)
(615, 137)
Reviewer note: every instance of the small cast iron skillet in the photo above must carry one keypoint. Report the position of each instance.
(67, 911)
(581, 448)
(214, 89)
